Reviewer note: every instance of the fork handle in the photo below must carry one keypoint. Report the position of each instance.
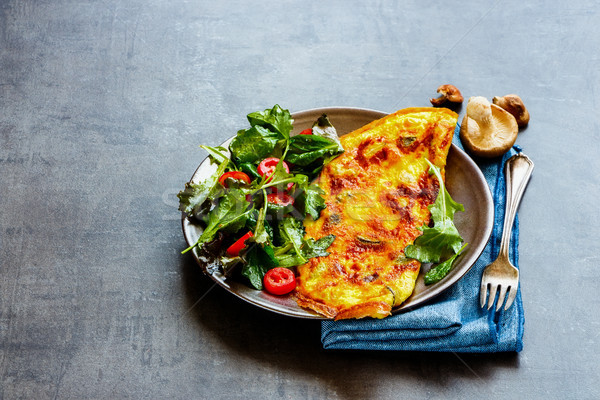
(518, 170)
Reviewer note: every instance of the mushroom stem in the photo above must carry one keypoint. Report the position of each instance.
(480, 110)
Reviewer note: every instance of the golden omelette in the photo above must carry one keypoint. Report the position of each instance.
(377, 193)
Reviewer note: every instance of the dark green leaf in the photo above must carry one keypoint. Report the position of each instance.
(253, 144)
(258, 261)
(443, 238)
(307, 149)
(250, 169)
(252, 221)
(437, 273)
(276, 119)
(229, 215)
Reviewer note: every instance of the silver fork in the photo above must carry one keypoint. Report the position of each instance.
(501, 274)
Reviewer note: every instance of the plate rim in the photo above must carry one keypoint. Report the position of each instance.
(407, 305)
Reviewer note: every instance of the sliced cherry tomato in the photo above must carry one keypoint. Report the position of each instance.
(288, 188)
(280, 198)
(237, 175)
(234, 249)
(279, 281)
(267, 167)
(306, 132)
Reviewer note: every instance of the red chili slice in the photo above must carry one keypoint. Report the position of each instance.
(237, 175)
(267, 166)
(234, 249)
(279, 281)
(306, 132)
(280, 198)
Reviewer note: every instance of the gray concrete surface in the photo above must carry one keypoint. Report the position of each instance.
(102, 107)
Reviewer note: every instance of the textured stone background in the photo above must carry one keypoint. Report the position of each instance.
(102, 107)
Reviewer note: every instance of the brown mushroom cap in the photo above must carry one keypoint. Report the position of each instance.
(514, 105)
(486, 134)
(448, 93)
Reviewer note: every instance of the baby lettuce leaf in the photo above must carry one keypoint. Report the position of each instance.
(275, 119)
(193, 196)
(438, 272)
(443, 238)
(229, 215)
(253, 144)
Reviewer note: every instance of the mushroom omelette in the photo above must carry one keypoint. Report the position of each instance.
(377, 193)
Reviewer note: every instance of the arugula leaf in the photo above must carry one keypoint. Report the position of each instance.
(275, 119)
(443, 237)
(260, 233)
(310, 201)
(317, 248)
(216, 153)
(193, 196)
(258, 261)
(253, 144)
(438, 272)
(307, 149)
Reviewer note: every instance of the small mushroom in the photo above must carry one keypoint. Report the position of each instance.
(487, 130)
(514, 105)
(448, 93)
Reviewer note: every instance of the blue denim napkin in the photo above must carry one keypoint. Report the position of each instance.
(453, 322)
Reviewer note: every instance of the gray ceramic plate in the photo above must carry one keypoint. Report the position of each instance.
(464, 181)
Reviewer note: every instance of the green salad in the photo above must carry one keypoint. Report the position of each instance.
(251, 209)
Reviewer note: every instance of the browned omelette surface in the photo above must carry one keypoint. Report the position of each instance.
(377, 193)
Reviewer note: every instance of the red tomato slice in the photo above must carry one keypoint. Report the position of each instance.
(267, 167)
(280, 198)
(289, 187)
(279, 281)
(234, 249)
(306, 132)
(237, 175)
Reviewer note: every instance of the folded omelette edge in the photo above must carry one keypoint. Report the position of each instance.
(377, 193)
